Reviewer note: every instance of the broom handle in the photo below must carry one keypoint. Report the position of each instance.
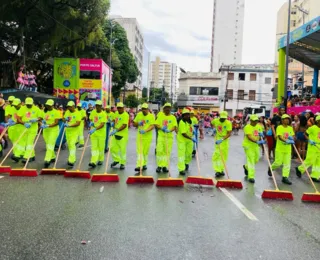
(18, 140)
(82, 155)
(197, 157)
(108, 154)
(167, 152)
(305, 168)
(141, 153)
(224, 163)
(34, 145)
(59, 149)
(268, 159)
(3, 132)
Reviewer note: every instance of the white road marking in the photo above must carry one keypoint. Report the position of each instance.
(102, 188)
(1, 177)
(239, 205)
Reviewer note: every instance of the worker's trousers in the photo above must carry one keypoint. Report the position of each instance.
(143, 147)
(118, 149)
(72, 137)
(252, 156)
(50, 136)
(28, 143)
(97, 147)
(185, 149)
(282, 159)
(81, 129)
(217, 162)
(164, 148)
(312, 160)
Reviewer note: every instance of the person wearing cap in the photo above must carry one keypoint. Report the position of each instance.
(166, 125)
(195, 124)
(185, 142)
(50, 126)
(110, 123)
(29, 116)
(81, 127)
(313, 153)
(120, 137)
(276, 121)
(97, 133)
(251, 142)
(8, 115)
(285, 138)
(145, 123)
(222, 127)
(72, 119)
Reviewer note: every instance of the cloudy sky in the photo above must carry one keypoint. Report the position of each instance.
(179, 31)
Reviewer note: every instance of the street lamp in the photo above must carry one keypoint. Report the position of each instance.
(287, 58)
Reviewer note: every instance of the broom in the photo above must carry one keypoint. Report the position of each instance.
(24, 172)
(308, 197)
(140, 178)
(77, 173)
(7, 169)
(169, 182)
(275, 194)
(54, 170)
(199, 179)
(105, 177)
(227, 183)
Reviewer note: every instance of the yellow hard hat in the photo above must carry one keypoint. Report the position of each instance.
(285, 116)
(224, 115)
(145, 105)
(120, 104)
(70, 104)
(16, 102)
(50, 102)
(167, 105)
(11, 98)
(185, 111)
(29, 101)
(254, 118)
(99, 102)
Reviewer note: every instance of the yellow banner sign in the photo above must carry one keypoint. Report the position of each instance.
(90, 84)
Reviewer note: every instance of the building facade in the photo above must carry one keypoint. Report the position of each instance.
(136, 44)
(199, 90)
(246, 85)
(227, 33)
(163, 73)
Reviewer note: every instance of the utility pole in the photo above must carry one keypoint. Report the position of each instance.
(110, 63)
(285, 96)
(163, 94)
(226, 90)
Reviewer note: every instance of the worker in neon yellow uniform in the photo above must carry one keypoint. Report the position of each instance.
(50, 126)
(97, 134)
(252, 135)
(81, 127)
(29, 115)
(8, 116)
(17, 130)
(110, 124)
(285, 138)
(195, 124)
(144, 120)
(223, 128)
(120, 137)
(313, 154)
(166, 125)
(185, 141)
(72, 119)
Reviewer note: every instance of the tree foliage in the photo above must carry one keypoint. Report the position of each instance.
(131, 101)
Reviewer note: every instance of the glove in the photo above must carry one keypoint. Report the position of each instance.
(164, 129)
(167, 131)
(66, 125)
(114, 132)
(34, 120)
(142, 132)
(194, 140)
(6, 124)
(141, 123)
(112, 124)
(91, 124)
(44, 122)
(261, 134)
(92, 131)
(219, 141)
(312, 142)
(214, 131)
(10, 123)
(27, 125)
(289, 141)
(261, 142)
(290, 138)
(44, 126)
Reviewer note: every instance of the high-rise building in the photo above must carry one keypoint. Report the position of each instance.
(227, 33)
(163, 73)
(136, 44)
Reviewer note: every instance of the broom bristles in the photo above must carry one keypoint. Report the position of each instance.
(311, 197)
(229, 184)
(140, 179)
(277, 194)
(169, 182)
(200, 180)
(53, 171)
(5, 169)
(24, 173)
(77, 174)
(105, 178)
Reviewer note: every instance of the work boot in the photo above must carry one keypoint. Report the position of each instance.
(218, 174)
(80, 146)
(269, 172)
(165, 170)
(245, 170)
(222, 174)
(70, 164)
(286, 180)
(182, 173)
(137, 169)
(114, 164)
(32, 159)
(53, 160)
(122, 167)
(193, 153)
(46, 164)
(251, 180)
(92, 165)
(298, 173)
(187, 167)
(316, 180)
(100, 163)
(144, 168)
(158, 170)
(14, 158)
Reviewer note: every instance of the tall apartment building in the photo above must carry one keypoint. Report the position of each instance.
(163, 73)
(227, 33)
(136, 44)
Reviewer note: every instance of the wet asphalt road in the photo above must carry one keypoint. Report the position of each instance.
(47, 217)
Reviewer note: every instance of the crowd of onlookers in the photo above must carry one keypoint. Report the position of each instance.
(296, 101)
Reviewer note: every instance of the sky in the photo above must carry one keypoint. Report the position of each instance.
(179, 31)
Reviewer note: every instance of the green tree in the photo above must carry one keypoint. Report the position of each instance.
(156, 94)
(131, 101)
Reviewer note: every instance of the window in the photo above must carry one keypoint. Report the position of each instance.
(240, 94)
(242, 76)
(229, 93)
(230, 76)
(84, 74)
(253, 77)
(252, 95)
(258, 110)
(267, 81)
(204, 91)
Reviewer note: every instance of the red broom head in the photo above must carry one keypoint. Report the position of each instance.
(140, 179)
(5, 169)
(24, 173)
(200, 180)
(77, 174)
(105, 178)
(229, 184)
(277, 194)
(169, 182)
(311, 197)
(53, 171)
